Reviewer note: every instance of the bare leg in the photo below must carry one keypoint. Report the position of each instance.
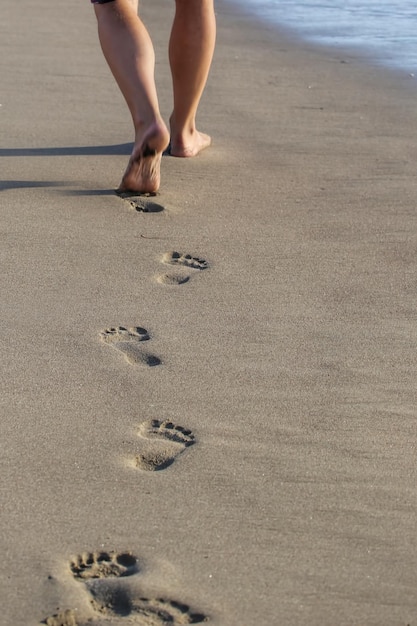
(191, 50)
(129, 53)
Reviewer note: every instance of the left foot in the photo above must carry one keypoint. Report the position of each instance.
(143, 172)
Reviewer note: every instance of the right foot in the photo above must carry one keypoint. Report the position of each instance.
(188, 144)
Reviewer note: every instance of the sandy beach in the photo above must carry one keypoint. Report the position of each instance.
(251, 335)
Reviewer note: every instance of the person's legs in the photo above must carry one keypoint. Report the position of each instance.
(129, 53)
(191, 50)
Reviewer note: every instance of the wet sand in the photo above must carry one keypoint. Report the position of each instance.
(208, 406)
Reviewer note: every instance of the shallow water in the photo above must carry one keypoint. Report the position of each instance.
(385, 30)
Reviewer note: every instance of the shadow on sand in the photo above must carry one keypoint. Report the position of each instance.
(117, 149)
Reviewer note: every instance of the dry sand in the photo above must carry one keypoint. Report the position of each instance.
(287, 359)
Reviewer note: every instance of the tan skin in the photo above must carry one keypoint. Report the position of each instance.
(129, 52)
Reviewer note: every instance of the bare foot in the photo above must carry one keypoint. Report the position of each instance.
(189, 143)
(143, 172)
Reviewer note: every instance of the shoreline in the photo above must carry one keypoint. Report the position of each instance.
(283, 356)
(370, 53)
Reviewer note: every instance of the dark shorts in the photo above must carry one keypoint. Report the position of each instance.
(100, 1)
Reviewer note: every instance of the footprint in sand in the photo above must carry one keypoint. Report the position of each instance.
(116, 602)
(165, 441)
(184, 260)
(176, 278)
(142, 204)
(104, 565)
(127, 341)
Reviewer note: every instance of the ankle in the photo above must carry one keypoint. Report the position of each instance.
(182, 130)
(153, 133)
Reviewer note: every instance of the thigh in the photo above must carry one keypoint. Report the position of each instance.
(133, 3)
